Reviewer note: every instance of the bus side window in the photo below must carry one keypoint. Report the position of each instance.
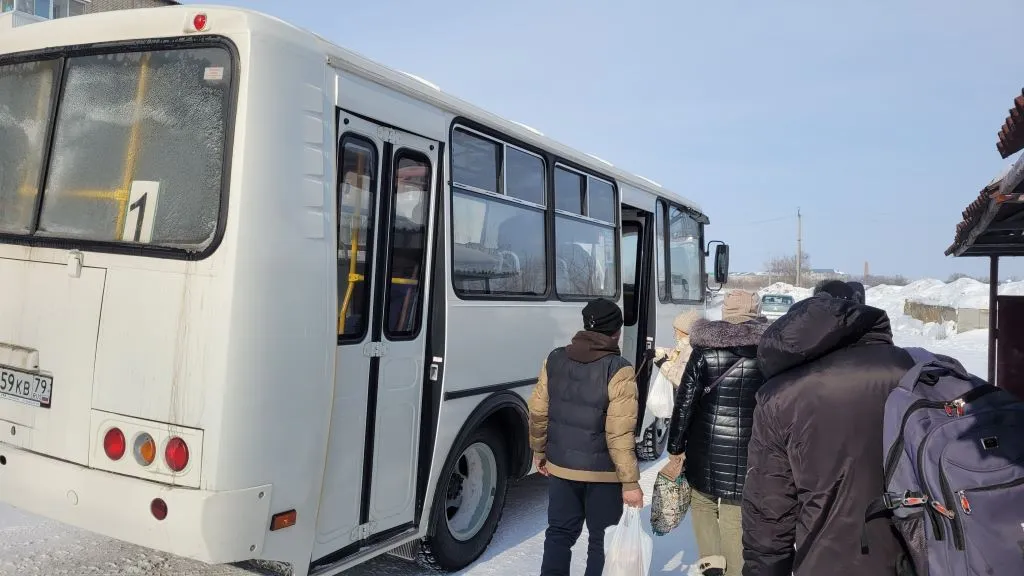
(410, 208)
(357, 202)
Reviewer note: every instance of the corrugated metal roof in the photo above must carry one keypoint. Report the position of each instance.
(993, 224)
(1011, 135)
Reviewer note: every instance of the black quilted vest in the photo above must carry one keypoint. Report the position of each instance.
(577, 408)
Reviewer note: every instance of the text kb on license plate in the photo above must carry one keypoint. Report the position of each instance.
(25, 387)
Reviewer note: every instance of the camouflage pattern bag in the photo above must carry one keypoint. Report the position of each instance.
(669, 503)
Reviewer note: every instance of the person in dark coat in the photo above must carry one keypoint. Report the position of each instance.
(815, 457)
(583, 414)
(711, 426)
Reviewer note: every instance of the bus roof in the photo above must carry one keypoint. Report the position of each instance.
(142, 23)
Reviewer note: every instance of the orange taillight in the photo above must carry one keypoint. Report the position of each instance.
(144, 449)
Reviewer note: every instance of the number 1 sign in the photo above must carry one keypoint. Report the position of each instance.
(140, 213)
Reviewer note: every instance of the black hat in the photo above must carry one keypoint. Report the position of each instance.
(835, 289)
(602, 316)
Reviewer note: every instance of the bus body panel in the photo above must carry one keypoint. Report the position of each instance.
(279, 330)
(53, 311)
(212, 527)
(374, 101)
(151, 355)
(501, 344)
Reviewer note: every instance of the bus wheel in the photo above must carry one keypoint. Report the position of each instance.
(468, 503)
(654, 441)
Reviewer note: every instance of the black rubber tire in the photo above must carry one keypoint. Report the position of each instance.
(649, 448)
(442, 552)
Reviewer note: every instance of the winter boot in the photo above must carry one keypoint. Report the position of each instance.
(712, 566)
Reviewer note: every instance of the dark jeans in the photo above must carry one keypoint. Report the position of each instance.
(569, 505)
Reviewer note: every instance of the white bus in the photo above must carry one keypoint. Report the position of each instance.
(262, 298)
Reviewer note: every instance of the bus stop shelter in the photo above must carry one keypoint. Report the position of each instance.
(993, 228)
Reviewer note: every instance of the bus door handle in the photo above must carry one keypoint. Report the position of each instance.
(435, 369)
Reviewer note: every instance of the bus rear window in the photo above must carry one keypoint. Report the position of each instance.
(26, 95)
(137, 150)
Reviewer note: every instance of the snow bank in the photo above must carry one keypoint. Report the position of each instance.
(963, 293)
(783, 288)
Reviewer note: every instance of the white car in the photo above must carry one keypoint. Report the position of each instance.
(774, 306)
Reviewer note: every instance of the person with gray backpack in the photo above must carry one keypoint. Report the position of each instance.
(954, 472)
(812, 463)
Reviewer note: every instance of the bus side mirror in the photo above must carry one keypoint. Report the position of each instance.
(722, 263)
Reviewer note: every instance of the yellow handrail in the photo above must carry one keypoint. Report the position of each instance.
(354, 252)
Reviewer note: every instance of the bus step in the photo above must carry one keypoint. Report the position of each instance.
(406, 551)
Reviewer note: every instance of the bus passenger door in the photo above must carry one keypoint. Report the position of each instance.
(386, 189)
(639, 307)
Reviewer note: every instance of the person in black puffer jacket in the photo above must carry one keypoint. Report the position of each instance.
(711, 423)
(816, 451)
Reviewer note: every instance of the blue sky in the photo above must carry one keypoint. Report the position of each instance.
(877, 118)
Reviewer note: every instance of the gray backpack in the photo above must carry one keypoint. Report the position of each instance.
(954, 472)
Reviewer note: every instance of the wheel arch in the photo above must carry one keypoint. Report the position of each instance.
(508, 414)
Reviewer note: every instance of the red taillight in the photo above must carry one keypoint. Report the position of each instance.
(176, 454)
(114, 444)
(199, 22)
(158, 508)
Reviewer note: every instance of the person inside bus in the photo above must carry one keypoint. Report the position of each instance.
(711, 423)
(581, 433)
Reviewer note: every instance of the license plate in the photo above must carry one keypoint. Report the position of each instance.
(25, 387)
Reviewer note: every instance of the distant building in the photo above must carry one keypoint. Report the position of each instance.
(63, 8)
(819, 274)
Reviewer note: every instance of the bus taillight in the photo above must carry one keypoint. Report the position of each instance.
(176, 454)
(113, 444)
(145, 449)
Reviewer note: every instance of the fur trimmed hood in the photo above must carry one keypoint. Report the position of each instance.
(723, 334)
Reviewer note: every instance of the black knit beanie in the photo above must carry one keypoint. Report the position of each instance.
(602, 316)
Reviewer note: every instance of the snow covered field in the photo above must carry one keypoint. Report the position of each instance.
(32, 546)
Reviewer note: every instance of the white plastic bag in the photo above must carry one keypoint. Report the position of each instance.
(660, 398)
(627, 546)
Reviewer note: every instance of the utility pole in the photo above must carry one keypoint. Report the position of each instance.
(799, 245)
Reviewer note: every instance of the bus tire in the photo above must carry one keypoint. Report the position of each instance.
(476, 480)
(652, 446)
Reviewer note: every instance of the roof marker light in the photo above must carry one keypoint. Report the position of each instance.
(199, 22)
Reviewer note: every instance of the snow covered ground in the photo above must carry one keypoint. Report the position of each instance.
(33, 546)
